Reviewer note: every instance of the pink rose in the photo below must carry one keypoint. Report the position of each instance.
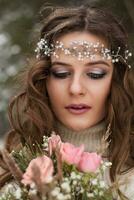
(54, 142)
(71, 154)
(89, 162)
(45, 167)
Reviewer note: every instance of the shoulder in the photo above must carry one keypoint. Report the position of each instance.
(126, 182)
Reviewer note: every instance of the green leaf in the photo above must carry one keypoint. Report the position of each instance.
(84, 196)
(25, 155)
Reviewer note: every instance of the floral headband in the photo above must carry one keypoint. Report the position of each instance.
(81, 50)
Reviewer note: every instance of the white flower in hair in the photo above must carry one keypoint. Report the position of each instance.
(81, 50)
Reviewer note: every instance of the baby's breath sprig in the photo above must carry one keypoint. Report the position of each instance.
(14, 192)
(81, 50)
(45, 142)
(49, 177)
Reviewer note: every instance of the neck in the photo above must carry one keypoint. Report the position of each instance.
(90, 137)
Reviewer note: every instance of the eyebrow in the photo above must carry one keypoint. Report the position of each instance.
(87, 64)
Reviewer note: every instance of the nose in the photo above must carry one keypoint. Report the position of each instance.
(77, 86)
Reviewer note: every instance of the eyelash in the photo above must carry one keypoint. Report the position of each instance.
(96, 75)
(63, 75)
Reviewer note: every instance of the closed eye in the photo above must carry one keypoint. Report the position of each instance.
(65, 74)
(96, 75)
(60, 75)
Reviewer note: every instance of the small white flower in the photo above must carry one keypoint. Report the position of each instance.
(33, 185)
(82, 190)
(108, 164)
(55, 192)
(33, 189)
(18, 193)
(67, 197)
(101, 193)
(78, 176)
(66, 187)
(90, 195)
(104, 167)
(73, 175)
(9, 187)
(102, 184)
(60, 196)
(49, 179)
(45, 145)
(94, 181)
(32, 192)
(74, 182)
(66, 179)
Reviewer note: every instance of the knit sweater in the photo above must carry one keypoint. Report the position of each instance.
(90, 137)
(92, 140)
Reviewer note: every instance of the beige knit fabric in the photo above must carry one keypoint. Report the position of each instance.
(90, 137)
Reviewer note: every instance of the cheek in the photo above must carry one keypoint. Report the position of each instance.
(51, 91)
(55, 91)
(105, 90)
(100, 91)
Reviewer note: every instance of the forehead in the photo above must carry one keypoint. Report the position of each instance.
(67, 39)
(82, 47)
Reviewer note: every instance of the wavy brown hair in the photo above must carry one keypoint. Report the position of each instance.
(30, 114)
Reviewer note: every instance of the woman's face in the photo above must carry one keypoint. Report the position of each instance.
(78, 89)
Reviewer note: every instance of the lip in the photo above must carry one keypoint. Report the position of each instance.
(78, 108)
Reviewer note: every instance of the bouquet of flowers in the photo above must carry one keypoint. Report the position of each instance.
(60, 171)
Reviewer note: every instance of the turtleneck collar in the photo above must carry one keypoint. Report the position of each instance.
(90, 137)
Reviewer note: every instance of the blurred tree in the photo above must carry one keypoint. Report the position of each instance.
(17, 25)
